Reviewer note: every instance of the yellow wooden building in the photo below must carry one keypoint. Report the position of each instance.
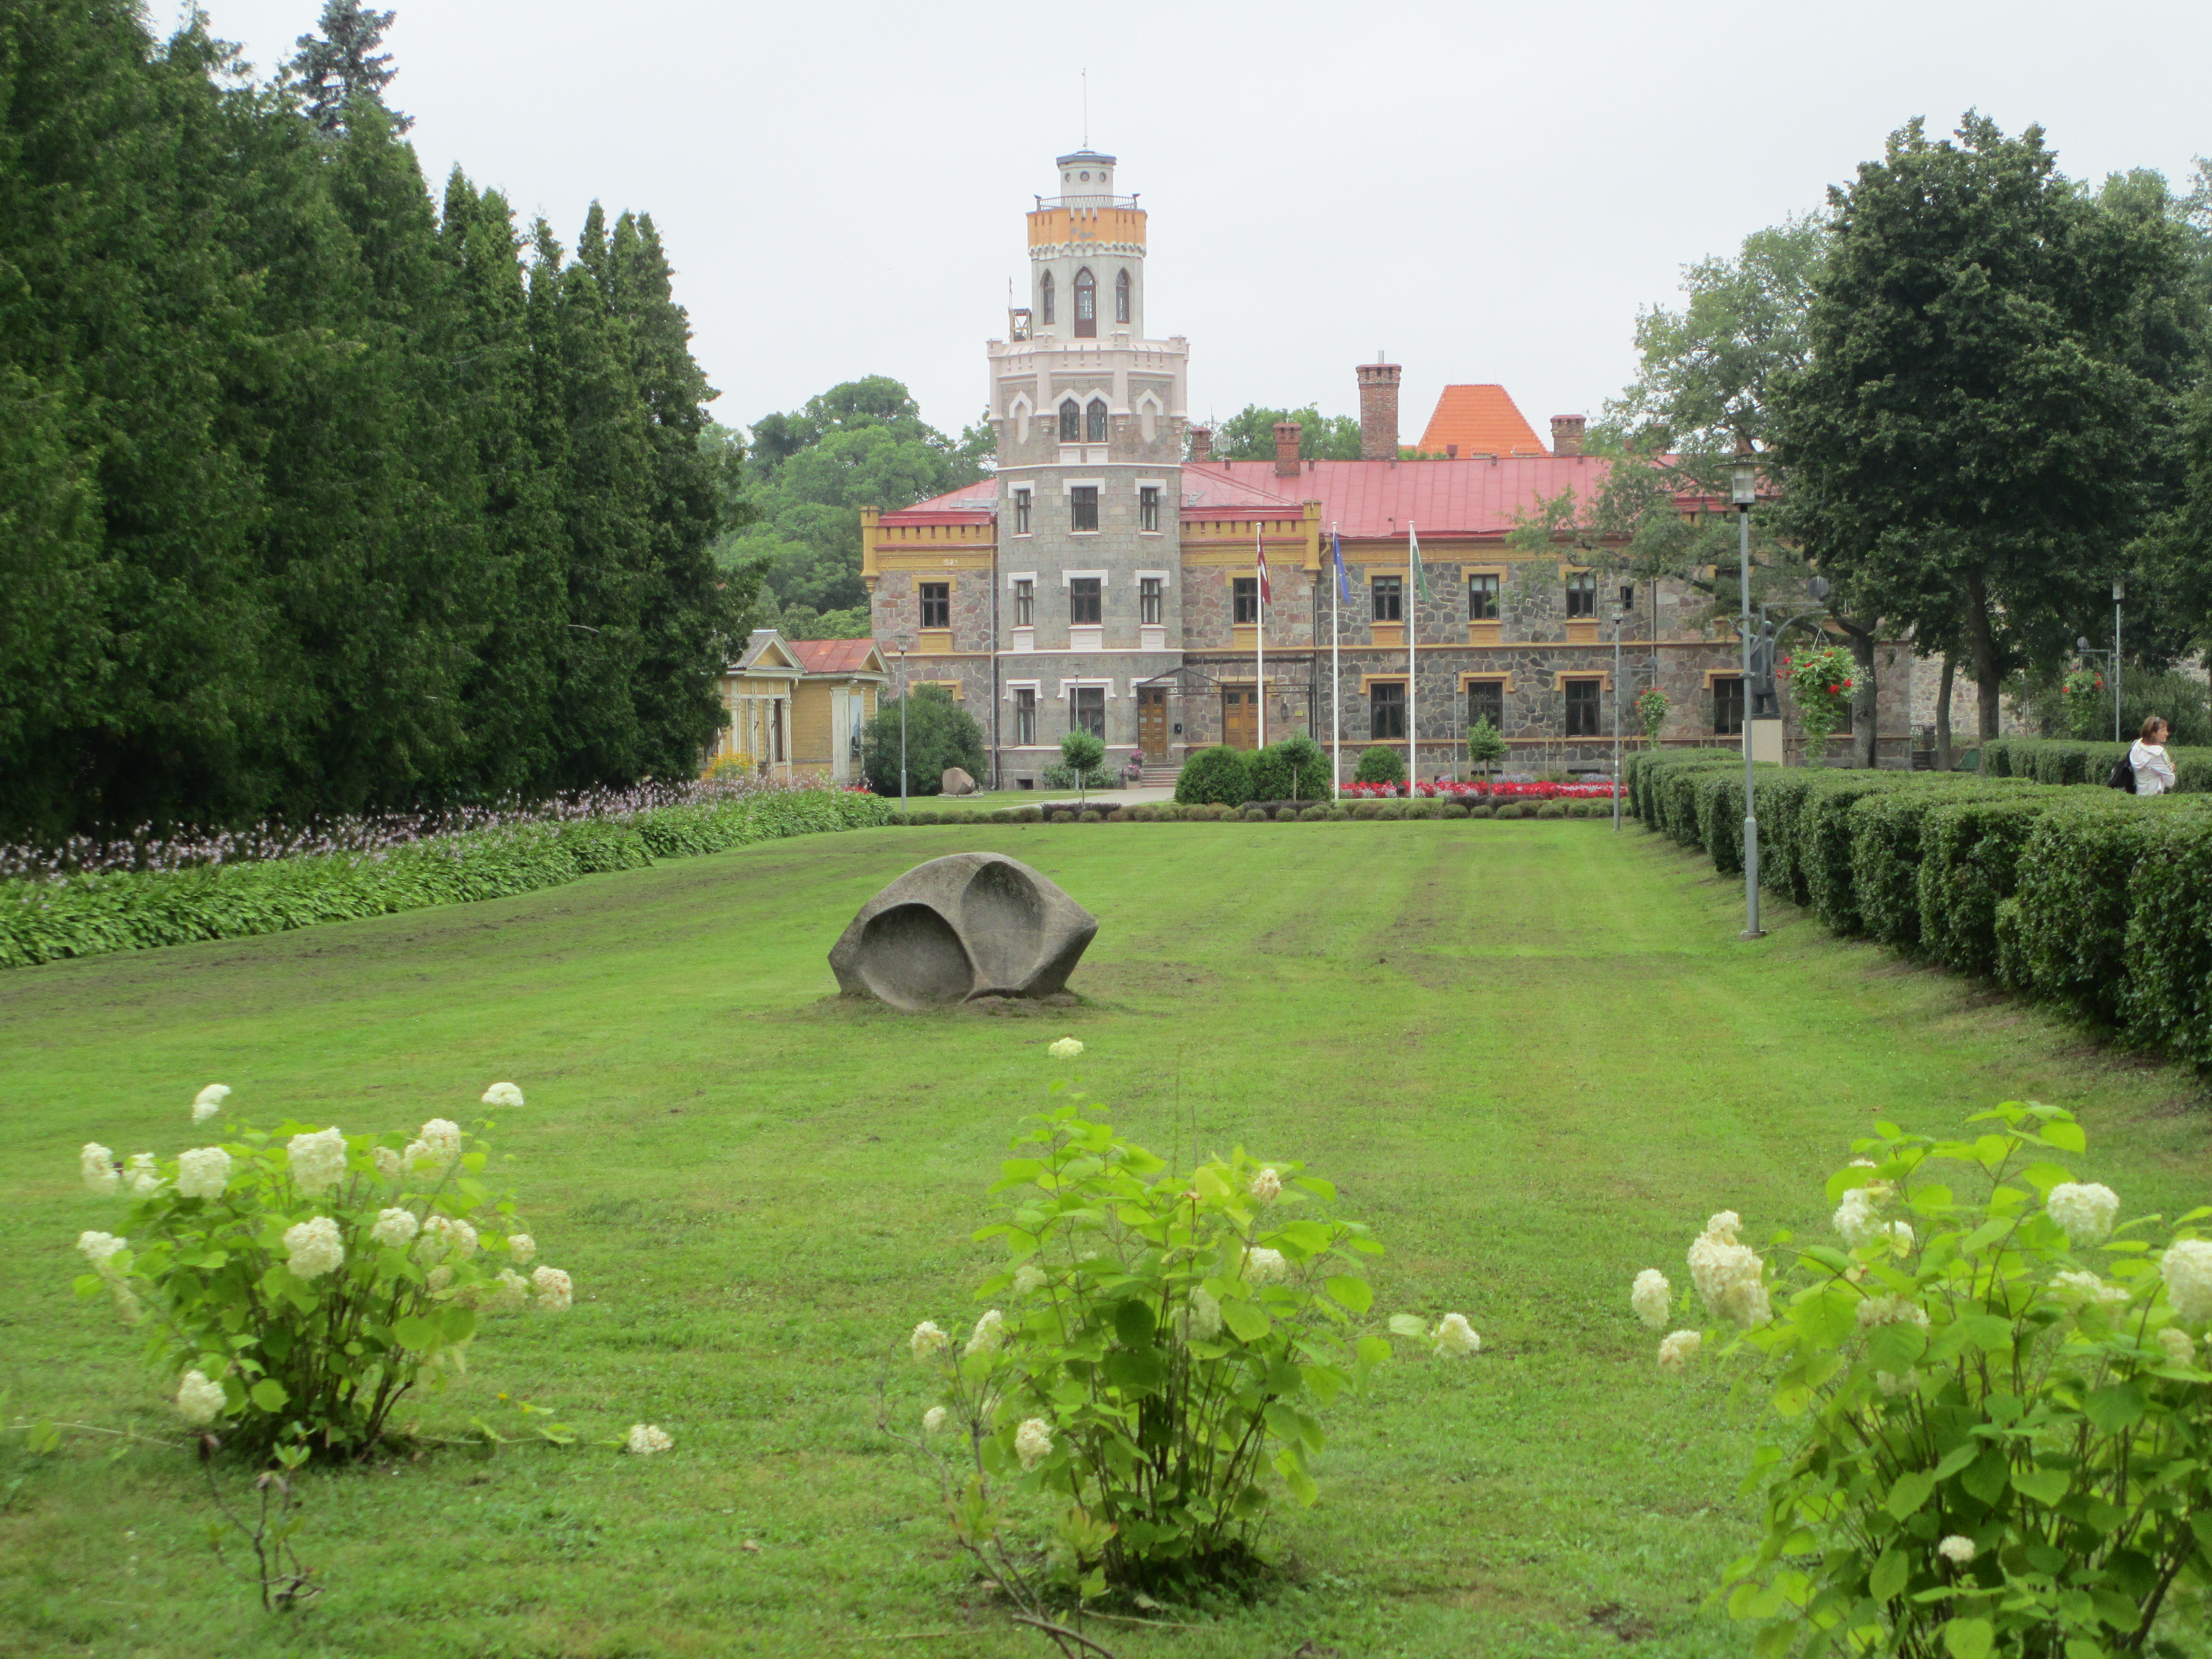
(796, 707)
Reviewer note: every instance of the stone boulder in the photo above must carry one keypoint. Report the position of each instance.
(972, 924)
(956, 781)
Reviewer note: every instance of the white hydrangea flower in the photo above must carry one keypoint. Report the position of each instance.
(521, 1247)
(1855, 1219)
(1454, 1338)
(440, 1279)
(934, 1420)
(2180, 1350)
(143, 1175)
(928, 1341)
(502, 1094)
(1651, 1298)
(556, 1292)
(509, 1293)
(435, 1145)
(2186, 1267)
(2079, 1290)
(395, 1229)
(445, 1235)
(1862, 1164)
(1678, 1348)
(1891, 1310)
(1265, 1266)
(100, 1249)
(200, 1401)
(2084, 1211)
(1894, 1383)
(1267, 1186)
(388, 1161)
(204, 1172)
(1028, 1277)
(208, 1102)
(317, 1160)
(313, 1248)
(97, 1165)
(647, 1438)
(1066, 1049)
(1958, 1549)
(990, 1331)
(1033, 1442)
(1202, 1318)
(1729, 1276)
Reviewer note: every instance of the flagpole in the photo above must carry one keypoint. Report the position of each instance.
(1260, 666)
(1335, 696)
(1413, 707)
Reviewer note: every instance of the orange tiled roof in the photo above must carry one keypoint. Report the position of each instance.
(1481, 420)
(832, 656)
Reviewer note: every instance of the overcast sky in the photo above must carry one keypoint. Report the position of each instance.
(1485, 192)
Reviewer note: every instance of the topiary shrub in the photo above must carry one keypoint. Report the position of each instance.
(1380, 765)
(1297, 769)
(1552, 809)
(1366, 808)
(1121, 815)
(1219, 774)
(1254, 815)
(1454, 809)
(1337, 811)
(2073, 896)
(1391, 810)
(1485, 810)
(1969, 851)
(1313, 814)
(1090, 814)
(1510, 810)
(1028, 814)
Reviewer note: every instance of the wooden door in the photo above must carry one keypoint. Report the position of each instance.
(1153, 722)
(1240, 719)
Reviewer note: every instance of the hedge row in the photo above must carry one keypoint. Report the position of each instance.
(1281, 812)
(136, 910)
(2096, 902)
(2059, 760)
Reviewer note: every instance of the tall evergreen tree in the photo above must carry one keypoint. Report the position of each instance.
(342, 64)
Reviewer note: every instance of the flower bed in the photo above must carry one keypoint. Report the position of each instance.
(87, 899)
(1482, 790)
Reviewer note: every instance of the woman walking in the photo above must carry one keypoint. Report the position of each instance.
(2154, 771)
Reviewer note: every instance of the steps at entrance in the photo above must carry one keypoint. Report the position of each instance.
(1161, 777)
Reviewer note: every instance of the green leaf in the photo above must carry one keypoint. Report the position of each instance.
(460, 1323)
(1912, 1489)
(2067, 1136)
(2114, 1408)
(1353, 1293)
(1135, 1372)
(1373, 1351)
(1985, 1480)
(1249, 1323)
(415, 1333)
(1133, 1322)
(1969, 1638)
(1407, 1325)
(269, 1395)
(2202, 1526)
(2046, 1486)
(1890, 1575)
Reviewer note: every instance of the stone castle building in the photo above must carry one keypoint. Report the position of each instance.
(1106, 575)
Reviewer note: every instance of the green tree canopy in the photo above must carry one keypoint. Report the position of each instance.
(860, 444)
(938, 734)
(1249, 434)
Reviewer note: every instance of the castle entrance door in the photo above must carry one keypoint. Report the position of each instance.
(1152, 724)
(1240, 718)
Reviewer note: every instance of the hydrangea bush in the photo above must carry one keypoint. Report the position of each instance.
(298, 1283)
(1994, 1412)
(1160, 1344)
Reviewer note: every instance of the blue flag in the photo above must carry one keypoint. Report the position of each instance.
(1343, 581)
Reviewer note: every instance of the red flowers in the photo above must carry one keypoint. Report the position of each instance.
(1448, 790)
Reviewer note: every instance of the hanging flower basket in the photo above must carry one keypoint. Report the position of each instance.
(1822, 681)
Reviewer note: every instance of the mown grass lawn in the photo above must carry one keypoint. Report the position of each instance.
(1533, 1055)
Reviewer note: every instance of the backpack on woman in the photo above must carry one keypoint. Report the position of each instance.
(2122, 776)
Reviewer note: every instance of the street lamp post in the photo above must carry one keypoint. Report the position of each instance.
(1743, 489)
(2119, 592)
(902, 657)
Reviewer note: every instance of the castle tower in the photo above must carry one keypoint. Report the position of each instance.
(1089, 415)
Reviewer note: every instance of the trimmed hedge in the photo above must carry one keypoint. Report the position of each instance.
(2069, 761)
(2096, 902)
(138, 910)
(1220, 775)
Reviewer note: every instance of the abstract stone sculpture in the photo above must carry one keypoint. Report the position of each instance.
(956, 781)
(973, 924)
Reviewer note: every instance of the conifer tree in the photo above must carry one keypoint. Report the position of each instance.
(342, 64)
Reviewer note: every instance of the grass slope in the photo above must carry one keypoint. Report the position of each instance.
(1535, 1056)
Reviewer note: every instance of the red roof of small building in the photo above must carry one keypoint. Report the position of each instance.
(832, 656)
(1480, 420)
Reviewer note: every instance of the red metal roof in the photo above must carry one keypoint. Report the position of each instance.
(1218, 486)
(1480, 420)
(1372, 499)
(832, 656)
(969, 504)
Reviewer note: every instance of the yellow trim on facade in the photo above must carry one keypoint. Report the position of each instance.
(1505, 679)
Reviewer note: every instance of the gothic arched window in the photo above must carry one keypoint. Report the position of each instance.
(1121, 296)
(1070, 422)
(1095, 433)
(1044, 297)
(1086, 305)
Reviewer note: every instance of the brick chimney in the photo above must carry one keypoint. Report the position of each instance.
(1201, 443)
(1567, 435)
(1286, 449)
(1378, 411)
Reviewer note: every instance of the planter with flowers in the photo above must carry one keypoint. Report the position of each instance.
(2087, 707)
(1822, 681)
